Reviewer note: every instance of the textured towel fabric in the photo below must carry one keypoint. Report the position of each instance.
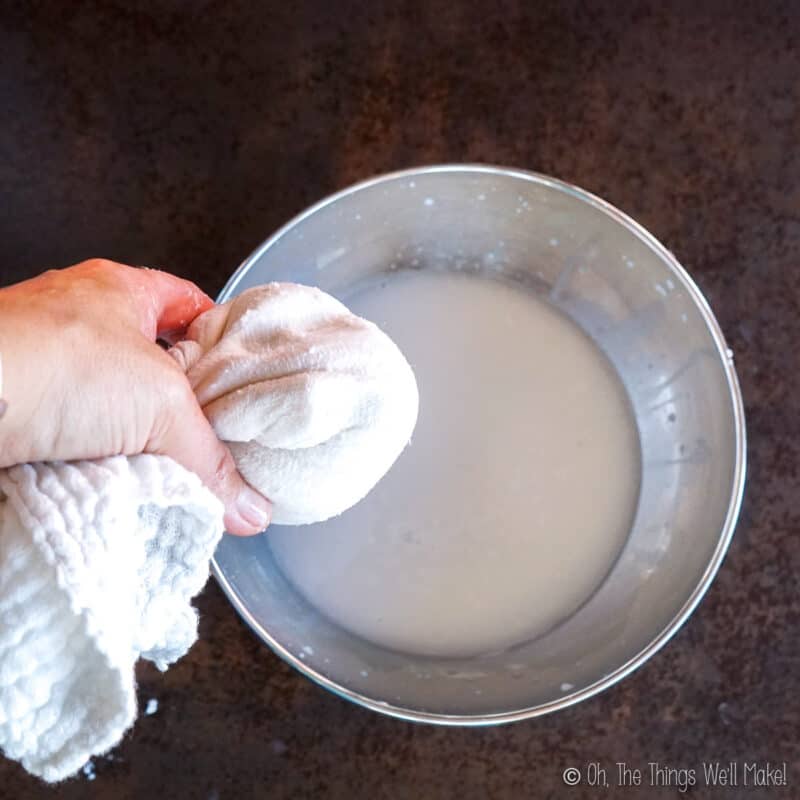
(99, 559)
(99, 562)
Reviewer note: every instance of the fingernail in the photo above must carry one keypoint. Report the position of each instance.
(253, 508)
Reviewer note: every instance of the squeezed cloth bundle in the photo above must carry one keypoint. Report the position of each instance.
(99, 559)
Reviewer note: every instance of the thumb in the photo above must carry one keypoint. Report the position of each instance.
(189, 439)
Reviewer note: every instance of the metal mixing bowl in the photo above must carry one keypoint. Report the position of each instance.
(633, 298)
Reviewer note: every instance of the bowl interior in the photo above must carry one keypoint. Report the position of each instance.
(628, 293)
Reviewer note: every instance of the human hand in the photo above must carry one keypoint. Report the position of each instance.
(83, 377)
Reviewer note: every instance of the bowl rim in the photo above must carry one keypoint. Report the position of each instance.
(736, 492)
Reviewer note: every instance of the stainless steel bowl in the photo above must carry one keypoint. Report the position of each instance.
(636, 301)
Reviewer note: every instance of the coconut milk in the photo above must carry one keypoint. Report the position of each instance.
(515, 496)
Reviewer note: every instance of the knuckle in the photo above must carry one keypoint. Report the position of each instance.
(104, 274)
(99, 264)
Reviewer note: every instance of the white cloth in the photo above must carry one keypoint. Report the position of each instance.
(315, 403)
(99, 562)
(99, 559)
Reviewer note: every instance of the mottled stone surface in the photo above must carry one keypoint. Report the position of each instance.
(180, 134)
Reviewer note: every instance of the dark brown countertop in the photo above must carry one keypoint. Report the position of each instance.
(179, 135)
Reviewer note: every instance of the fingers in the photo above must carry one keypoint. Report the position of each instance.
(160, 304)
(166, 304)
(177, 302)
(190, 440)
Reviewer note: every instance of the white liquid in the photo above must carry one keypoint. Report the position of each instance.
(516, 495)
